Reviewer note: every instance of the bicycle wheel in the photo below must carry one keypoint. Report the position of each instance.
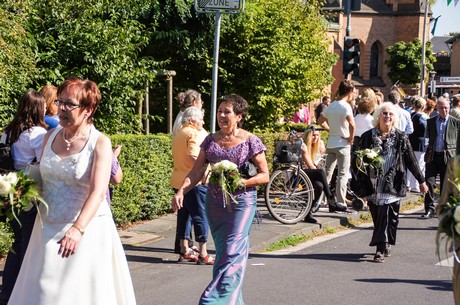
(289, 195)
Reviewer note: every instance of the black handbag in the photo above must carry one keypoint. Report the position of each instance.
(248, 170)
(6, 156)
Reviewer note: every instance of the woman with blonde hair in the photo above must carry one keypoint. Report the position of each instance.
(313, 149)
(51, 117)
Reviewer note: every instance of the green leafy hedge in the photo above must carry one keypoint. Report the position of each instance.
(146, 161)
(145, 191)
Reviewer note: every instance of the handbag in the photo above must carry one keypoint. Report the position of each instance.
(248, 170)
(6, 156)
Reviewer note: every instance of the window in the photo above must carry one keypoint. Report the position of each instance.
(375, 60)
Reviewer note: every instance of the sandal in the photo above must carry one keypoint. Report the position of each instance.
(379, 257)
(190, 256)
(207, 260)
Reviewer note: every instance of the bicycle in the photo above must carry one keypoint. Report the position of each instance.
(289, 193)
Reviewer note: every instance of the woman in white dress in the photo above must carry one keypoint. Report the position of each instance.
(75, 255)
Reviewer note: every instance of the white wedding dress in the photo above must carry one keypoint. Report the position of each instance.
(97, 274)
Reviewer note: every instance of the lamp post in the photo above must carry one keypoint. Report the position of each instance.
(422, 76)
(432, 83)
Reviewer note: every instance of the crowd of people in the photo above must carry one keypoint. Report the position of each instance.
(415, 137)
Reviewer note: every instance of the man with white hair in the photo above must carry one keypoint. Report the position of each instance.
(441, 132)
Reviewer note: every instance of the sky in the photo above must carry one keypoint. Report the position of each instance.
(449, 17)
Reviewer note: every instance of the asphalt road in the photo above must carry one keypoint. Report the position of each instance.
(331, 271)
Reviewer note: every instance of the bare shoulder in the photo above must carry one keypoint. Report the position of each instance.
(244, 134)
(103, 142)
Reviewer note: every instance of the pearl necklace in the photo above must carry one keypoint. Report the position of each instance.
(69, 142)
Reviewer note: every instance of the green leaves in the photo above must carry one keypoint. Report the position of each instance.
(275, 54)
(404, 62)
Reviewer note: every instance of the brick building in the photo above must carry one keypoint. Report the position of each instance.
(378, 24)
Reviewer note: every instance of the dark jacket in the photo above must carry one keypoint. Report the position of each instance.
(395, 179)
(450, 139)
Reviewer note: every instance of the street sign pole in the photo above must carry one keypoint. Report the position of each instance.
(217, 7)
(215, 73)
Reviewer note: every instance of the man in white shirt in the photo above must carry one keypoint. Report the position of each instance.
(338, 118)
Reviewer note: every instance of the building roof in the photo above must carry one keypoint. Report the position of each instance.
(453, 39)
(382, 8)
(376, 7)
(440, 44)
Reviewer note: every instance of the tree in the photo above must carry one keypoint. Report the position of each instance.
(404, 62)
(17, 57)
(100, 40)
(275, 54)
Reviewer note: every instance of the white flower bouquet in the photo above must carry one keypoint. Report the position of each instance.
(225, 173)
(449, 219)
(369, 158)
(18, 192)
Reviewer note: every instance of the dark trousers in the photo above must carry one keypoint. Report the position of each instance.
(386, 219)
(319, 180)
(433, 169)
(18, 250)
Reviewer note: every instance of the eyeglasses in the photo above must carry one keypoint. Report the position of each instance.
(387, 113)
(67, 104)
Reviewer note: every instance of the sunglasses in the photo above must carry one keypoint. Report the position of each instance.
(67, 104)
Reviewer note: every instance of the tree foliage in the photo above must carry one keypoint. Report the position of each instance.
(17, 57)
(405, 61)
(275, 54)
(101, 40)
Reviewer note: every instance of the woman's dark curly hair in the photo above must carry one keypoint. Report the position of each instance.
(240, 106)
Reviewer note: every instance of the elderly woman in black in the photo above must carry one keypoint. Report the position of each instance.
(397, 154)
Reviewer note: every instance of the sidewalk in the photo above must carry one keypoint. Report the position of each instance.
(160, 233)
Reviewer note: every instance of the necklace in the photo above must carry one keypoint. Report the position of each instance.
(225, 138)
(69, 142)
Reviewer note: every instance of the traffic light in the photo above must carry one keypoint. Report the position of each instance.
(351, 55)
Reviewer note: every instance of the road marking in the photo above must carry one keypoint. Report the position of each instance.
(449, 262)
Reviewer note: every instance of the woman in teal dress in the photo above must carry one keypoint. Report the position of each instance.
(230, 222)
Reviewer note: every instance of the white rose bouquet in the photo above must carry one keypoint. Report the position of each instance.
(369, 157)
(18, 192)
(226, 174)
(449, 219)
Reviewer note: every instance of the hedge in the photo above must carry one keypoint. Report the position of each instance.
(146, 161)
(145, 192)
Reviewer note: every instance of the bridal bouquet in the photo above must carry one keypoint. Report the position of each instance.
(449, 219)
(226, 174)
(18, 192)
(369, 157)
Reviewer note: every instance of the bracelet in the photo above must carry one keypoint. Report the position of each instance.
(80, 229)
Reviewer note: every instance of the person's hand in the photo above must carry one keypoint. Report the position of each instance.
(423, 188)
(349, 140)
(69, 243)
(177, 202)
(117, 150)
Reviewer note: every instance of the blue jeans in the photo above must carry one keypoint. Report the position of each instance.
(193, 208)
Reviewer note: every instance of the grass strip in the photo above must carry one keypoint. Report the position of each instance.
(296, 239)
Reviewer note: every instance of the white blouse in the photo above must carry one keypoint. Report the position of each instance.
(27, 147)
